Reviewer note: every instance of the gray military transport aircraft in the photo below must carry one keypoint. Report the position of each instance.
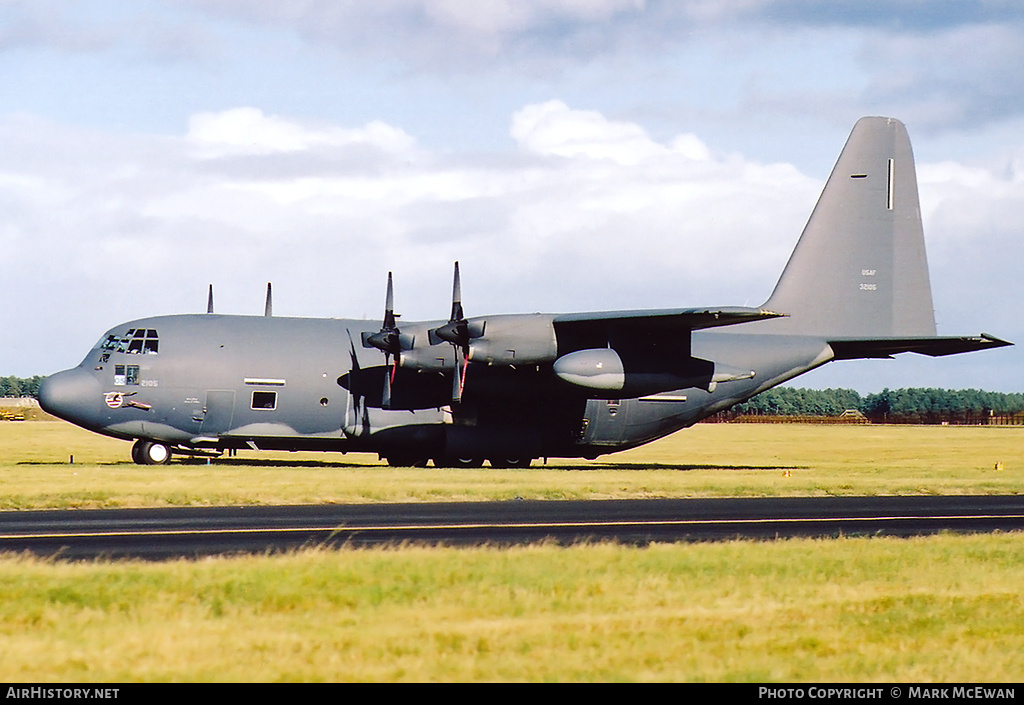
(512, 388)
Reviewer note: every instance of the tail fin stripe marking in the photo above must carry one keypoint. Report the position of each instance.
(892, 173)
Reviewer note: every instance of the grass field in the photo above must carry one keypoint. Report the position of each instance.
(924, 610)
(938, 609)
(706, 460)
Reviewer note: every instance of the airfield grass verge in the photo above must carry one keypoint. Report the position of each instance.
(708, 460)
(937, 609)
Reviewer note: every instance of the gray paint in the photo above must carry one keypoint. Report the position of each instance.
(511, 388)
(859, 268)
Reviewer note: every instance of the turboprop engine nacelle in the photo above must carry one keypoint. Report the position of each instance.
(433, 358)
(603, 370)
(515, 340)
(504, 340)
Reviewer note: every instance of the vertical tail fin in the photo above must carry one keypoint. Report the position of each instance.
(859, 269)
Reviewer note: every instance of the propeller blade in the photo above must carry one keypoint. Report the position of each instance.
(358, 410)
(389, 307)
(386, 395)
(459, 377)
(268, 309)
(209, 300)
(457, 313)
(458, 333)
(457, 381)
(388, 340)
(352, 350)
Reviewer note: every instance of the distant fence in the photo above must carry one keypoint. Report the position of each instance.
(850, 419)
(727, 417)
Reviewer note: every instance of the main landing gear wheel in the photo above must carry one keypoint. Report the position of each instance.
(510, 462)
(402, 460)
(150, 453)
(458, 462)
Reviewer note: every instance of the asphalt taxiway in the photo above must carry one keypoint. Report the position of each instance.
(156, 534)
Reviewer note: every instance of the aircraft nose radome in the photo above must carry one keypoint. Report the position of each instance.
(69, 394)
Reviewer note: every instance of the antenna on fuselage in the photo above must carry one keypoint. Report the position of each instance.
(209, 300)
(268, 310)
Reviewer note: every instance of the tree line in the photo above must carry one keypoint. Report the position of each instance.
(20, 386)
(914, 405)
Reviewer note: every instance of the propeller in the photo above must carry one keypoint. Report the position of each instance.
(458, 332)
(387, 339)
(209, 300)
(359, 411)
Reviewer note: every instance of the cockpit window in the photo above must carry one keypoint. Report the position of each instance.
(137, 341)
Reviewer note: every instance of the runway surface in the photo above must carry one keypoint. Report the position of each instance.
(155, 534)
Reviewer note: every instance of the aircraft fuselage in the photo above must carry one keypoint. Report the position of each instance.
(216, 382)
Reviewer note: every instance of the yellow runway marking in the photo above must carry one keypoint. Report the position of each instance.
(504, 525)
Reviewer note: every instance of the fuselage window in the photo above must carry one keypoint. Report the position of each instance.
(264, 400)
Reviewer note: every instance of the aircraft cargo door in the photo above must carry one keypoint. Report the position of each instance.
(220, 409)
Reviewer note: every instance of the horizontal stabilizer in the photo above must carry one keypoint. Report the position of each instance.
(935, 347)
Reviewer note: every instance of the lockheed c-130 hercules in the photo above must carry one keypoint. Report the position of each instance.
(512, 388)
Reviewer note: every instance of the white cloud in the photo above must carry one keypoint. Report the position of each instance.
(249, 131)
(553, 129)
(403, 157)
(590, 213)
(274, 198)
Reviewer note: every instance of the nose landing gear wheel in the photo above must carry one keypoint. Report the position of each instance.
(150, 453)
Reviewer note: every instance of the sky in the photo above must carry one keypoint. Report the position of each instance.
(572, 155)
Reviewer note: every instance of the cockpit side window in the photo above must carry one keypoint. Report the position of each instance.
(126, 375)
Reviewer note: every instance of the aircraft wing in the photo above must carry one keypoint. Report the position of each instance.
(666, 319)
(854, 349)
